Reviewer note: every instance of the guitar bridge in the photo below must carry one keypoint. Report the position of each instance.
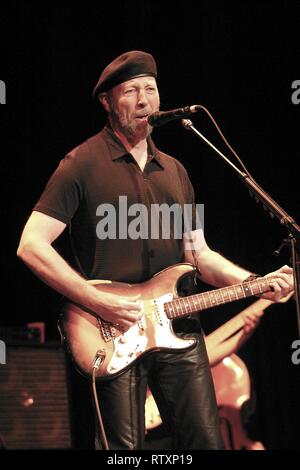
(108, 332)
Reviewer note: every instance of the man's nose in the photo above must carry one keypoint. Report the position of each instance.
(142, 98)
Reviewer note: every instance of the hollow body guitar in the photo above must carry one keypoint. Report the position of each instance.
(90, 339)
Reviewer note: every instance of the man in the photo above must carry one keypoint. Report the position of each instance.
(122, 161)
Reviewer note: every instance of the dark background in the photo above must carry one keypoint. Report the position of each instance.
(239, 60)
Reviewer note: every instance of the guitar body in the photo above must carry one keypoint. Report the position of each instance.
(232, 385)
(85, 335)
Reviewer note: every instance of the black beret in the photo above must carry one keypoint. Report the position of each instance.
(128, 65)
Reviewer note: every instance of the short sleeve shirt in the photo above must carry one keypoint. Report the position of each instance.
(100, 191)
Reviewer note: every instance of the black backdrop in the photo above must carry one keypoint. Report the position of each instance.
(239, 60)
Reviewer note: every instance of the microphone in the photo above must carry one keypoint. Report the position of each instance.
(163, 117)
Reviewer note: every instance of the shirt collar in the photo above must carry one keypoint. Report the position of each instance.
(117, 149)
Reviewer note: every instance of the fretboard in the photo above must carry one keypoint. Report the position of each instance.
(184, 306)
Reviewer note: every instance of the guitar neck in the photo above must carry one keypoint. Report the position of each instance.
(184, 306)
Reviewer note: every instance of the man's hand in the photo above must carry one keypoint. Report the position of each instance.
(282, 287)
(251, 321)
(124, 312)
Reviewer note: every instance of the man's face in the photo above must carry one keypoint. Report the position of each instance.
(130, 103)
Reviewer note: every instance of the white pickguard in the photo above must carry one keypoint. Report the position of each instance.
(153, 331)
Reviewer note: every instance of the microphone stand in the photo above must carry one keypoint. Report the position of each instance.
(274, 210)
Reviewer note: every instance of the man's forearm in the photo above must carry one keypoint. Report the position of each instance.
(217, 270)
(218, 352)
(52, 269)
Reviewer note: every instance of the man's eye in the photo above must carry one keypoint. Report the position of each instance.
(130, 91)
(151, 90)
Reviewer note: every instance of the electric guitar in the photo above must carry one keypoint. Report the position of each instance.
(108, 350)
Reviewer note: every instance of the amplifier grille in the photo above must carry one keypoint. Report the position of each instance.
(34, 398)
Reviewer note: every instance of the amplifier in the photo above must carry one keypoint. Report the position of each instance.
(35, 398)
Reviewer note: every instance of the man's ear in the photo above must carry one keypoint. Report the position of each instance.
(104, 101)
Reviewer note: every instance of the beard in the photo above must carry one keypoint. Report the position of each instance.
(133, 130)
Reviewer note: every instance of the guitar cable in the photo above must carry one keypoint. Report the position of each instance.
(99, 358)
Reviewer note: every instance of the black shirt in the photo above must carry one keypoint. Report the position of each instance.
(98, 172)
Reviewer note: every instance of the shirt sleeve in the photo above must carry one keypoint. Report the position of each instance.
(63, 192)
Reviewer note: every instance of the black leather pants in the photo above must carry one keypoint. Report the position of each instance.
(181, 384)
